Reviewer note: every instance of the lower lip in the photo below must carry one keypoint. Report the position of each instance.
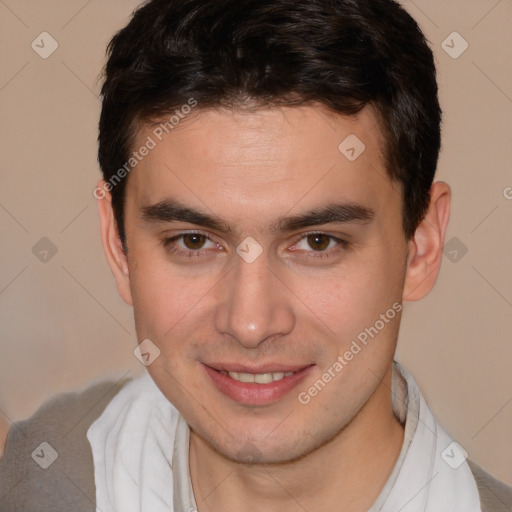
(250, 393)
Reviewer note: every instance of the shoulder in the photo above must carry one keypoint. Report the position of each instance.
(495, 496)
(47, 462)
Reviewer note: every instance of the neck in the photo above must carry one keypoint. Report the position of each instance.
(347, 473)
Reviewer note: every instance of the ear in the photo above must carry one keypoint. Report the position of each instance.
(426, 247)
(112, 246)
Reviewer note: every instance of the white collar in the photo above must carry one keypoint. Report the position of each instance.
(140, 450)
(422, 480)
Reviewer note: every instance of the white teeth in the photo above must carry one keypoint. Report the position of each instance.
(263, 378)
(259, 378)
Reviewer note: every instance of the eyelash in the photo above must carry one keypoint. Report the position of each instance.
(168, 243)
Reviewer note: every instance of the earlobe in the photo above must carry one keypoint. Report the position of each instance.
(112, 245)
(426, 247)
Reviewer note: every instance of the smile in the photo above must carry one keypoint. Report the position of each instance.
(256, 386)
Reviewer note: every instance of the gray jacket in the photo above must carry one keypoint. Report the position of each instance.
(67, 484)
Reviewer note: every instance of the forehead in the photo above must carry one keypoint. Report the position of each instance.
(256, 162)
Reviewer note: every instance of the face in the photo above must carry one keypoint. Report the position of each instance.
(259, 252)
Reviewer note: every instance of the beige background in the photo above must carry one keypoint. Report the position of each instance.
(62, 324)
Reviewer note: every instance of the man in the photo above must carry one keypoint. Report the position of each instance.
(267, 206)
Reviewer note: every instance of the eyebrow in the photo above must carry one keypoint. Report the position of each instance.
(171, 210)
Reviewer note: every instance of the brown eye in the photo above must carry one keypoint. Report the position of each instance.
(193, 240)
(191, 245)
(319, 241)
(319, 245)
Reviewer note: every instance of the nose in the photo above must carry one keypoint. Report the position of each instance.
(254, 304)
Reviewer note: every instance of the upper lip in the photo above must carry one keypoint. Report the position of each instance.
(261, 368)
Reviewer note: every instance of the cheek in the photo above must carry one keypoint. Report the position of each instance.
(353, 296)
(159, 300)
(167, 301)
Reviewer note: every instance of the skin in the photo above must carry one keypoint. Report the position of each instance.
(289, 306)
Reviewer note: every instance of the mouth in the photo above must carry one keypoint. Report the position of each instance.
(256, 386)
